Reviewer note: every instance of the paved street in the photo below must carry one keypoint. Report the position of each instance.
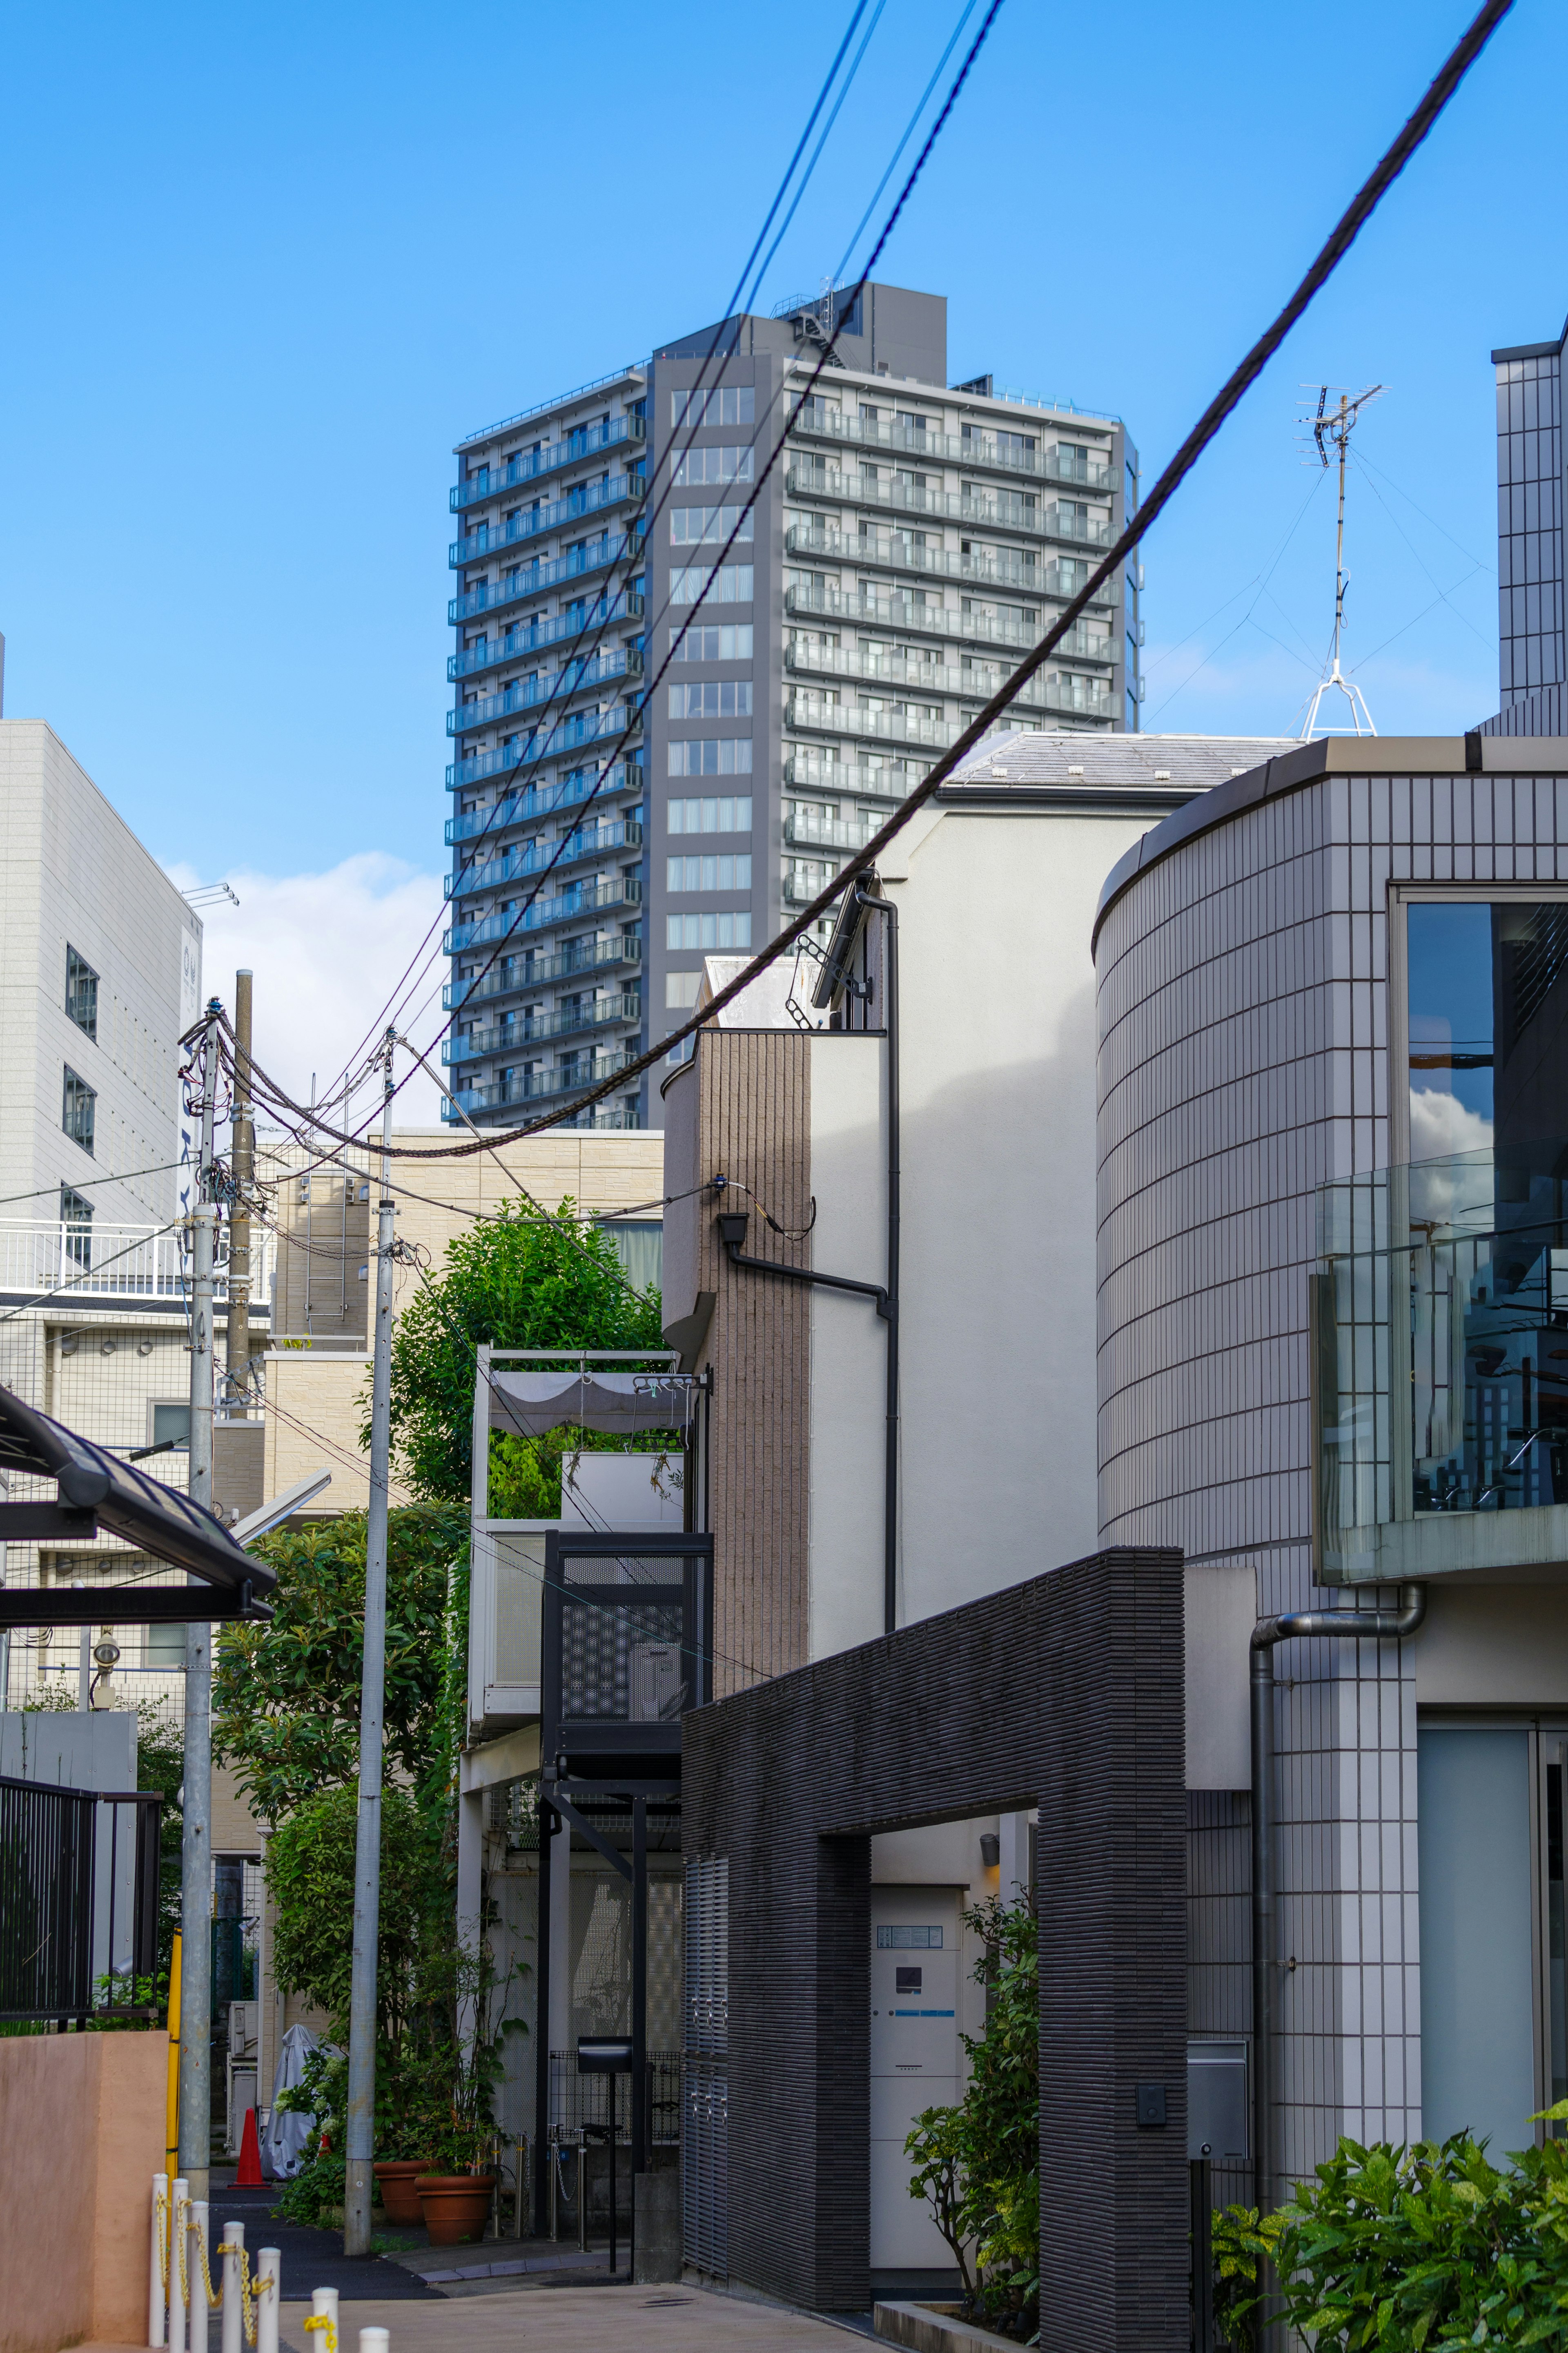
(578, 2320)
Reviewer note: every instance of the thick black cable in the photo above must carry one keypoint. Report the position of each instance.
(1337, 244)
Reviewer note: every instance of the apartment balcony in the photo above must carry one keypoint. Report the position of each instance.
(817, 769)
(539, 857)
(507, 1037)
(492, 481)
(546, 744)
(573, 905)
(1004, 512)
(540, 800)
(593, 497)
(512, 975)
(997, 567)
(835, 606)
(534, 579)
(494, 653)
(552, 686)
(809, 831)
(802, 884)
(1049, 464)
(931, 731)
(539, 1086)
(42, 1258)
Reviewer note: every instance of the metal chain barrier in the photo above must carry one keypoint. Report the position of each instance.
(324, 2320)
(246, 2298)
(214, 2295)
(162, 2224)
(182, 2229)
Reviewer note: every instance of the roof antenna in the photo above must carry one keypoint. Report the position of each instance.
(1335, 426)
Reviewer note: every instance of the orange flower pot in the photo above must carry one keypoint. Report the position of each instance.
(456, 2205)
(399, 2198)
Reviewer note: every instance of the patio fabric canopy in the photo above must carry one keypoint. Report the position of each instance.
(529, 1404)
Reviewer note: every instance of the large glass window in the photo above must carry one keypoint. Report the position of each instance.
(1488, 993)
(713, 698)
(727, 403)
(79, 1111)
(729, 464)
(75, 1217)
(699, 527)
(82, 992)
(710, 755)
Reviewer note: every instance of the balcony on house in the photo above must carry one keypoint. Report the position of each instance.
(577, 901)
(533, 523)
(926, 728)
(566, 1021)
(534, 579)
(902, 611)
(1048, 461)
(998, 567)
(542, 857)
(537, 465)
(539, 1086)
(551, 686)
(511, 975)
(546, 743)
(540, 800)
(88, 1258)
(517, 643)
(1440, 1321)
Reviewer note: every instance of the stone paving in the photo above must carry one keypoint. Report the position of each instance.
(676, 2319)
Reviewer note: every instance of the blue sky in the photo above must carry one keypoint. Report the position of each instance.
(262, 269)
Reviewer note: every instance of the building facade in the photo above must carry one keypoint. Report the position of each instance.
(913, 541)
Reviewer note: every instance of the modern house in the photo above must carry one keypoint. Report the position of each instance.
(915, 538)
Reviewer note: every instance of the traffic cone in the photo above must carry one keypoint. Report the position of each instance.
(249, 2174)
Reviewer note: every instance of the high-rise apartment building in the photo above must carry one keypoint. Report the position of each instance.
(1532, 627)
(915, 539)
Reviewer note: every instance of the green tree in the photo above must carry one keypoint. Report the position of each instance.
(522, 1278)
(286, 1697)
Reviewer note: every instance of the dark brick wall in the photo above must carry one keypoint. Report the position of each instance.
(1065, 1692)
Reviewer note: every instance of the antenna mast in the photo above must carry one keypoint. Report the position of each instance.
(1335, 426)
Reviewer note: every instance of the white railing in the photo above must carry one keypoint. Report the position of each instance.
(99, 1261)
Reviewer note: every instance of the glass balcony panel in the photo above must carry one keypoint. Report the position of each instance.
(511, 977)
(580, 900)
(493, 653)
(533, 523)
(552, 686)
(1048, 461)
(534, 579)
(507, 1037)
(540, 800)
(539, 857)
(539, 1086)
(1083, 642)
(532, 466)
(546, 744)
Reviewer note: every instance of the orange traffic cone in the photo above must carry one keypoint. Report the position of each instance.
(249, 2174)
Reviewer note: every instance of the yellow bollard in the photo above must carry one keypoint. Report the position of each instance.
(172, 2097)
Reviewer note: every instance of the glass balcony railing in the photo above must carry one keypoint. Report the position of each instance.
(533, 523)
(579, 899)
(976, 682)
(999, 567)
(507, 1037)
(933, 731)
(511, 974)
(534, 466)
(899, 611)
(540, 800)
(539, 1086)
(544, 744)
(535, 857)
(491, 653)
(1055, 462)
(1440, 1314)
(1003, 511)
(533, 579)
(551, 686)
(820, 768)
(804, 831)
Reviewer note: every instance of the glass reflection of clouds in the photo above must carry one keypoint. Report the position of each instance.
(1449, 994)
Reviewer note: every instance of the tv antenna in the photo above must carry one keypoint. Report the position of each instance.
(1332, 430)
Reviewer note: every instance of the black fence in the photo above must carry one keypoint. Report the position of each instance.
(78, 1902)
(576, 2100)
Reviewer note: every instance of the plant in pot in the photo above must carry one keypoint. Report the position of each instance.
(455, 2194)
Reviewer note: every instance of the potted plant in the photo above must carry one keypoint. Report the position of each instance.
(396, 2176)
(455, 2194)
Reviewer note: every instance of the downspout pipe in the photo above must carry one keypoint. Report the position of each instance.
(1363, 1625)
(876, 904)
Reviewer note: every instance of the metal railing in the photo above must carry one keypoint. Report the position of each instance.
(993, 565)
(977, 681)
(1000, 513)
(542, 800)
(808, 764)
(635, 368)
(565, 1022)
(490, 653)
(593, 497)
(536, 1086)
(809, 831)
(814, 711)
(534, 857)
(1049, 465)
(510, 977)
(78, 1902)
(98, 1261)
(546, 744)
(531, 466)
(899, 611)
(571, 906)
(573, 678)
(576, 2100)
(531, 580)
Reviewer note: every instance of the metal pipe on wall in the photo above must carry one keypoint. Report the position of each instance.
(237, 1340)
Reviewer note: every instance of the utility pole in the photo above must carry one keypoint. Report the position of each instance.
(237, 1346)
(196, 1873)
(360, 2149)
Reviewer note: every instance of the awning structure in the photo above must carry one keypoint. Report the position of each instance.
(531, 1403)
(96, 1490)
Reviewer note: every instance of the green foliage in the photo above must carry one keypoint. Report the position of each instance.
(286, 1697)
(977, 2166)
(311, 1875)
(1428, 2249)
(1241, 2245)
(520, 1279)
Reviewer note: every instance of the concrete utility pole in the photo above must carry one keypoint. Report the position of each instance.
(195, 1873)
(243, 1153)
(361, 2149)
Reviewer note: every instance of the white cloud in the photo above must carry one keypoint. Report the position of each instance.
(327, 951)
(1441, 1125)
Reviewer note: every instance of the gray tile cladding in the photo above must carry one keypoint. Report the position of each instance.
(1243, 1011)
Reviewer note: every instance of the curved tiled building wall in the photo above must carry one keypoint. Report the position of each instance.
(1242, 989)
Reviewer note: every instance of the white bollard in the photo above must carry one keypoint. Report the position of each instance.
(376, 2341)
(179, 2232)
(233, 2289)
(268, 2288)
(156, 2317)
(198, 2264)
(323, 2321)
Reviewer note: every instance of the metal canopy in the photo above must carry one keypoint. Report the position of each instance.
(97, 1490)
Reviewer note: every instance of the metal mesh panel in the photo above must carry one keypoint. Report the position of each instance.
(705, 2112)
(598, 1648)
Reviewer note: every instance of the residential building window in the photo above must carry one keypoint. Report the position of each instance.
(680, 990)
(75, 1217)
(729, 641)
(724, 816)
(79, 1107)
(710, 755)
(723, 584)
(729, 463)
(725, 698)
(702, 526)
(731, 872)
(82, 992)
(727, 403)
(707, 932)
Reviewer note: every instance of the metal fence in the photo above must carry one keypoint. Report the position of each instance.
(576, 2100)
(78, 1902)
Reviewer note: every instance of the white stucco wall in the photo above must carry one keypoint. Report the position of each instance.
(848, 1342)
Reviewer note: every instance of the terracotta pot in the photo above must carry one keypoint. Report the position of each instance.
(457, 2205)
(398, 2196)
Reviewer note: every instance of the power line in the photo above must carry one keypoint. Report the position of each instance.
(1341, 238)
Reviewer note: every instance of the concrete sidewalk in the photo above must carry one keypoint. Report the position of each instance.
(673, 2319)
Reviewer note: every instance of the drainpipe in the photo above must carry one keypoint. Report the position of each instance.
(1371, 1624)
